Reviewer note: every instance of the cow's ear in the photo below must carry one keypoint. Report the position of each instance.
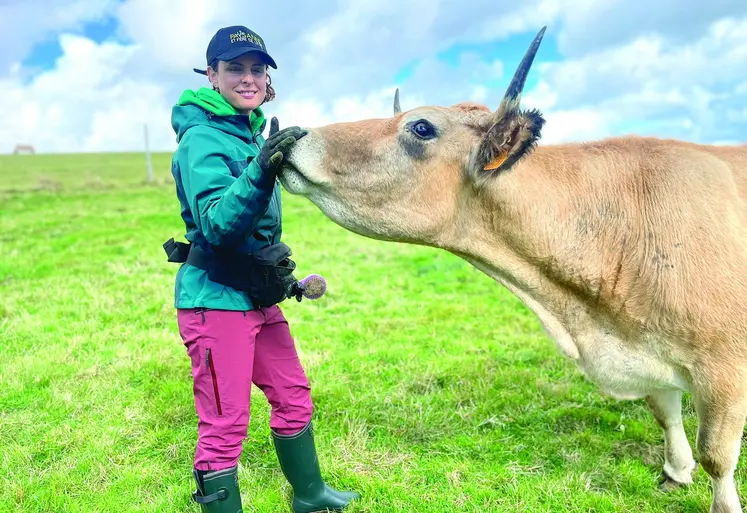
(509, 132)
(510, 138)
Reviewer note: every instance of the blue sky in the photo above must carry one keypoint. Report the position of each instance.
(89, 74)
(510, 51)
(45, 53)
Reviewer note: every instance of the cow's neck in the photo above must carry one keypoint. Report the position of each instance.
(541, 253)
(555, 307)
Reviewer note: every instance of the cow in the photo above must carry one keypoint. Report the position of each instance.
(631, 250)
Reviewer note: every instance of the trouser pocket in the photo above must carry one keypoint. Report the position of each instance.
(209, 360)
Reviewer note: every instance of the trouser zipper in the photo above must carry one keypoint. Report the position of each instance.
(211, 366)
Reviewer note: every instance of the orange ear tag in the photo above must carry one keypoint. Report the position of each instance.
(496, 162)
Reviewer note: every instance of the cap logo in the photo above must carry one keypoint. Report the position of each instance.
(243, 37)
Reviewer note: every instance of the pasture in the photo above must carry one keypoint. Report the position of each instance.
(435, 389)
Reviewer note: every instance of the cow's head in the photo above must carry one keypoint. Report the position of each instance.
(407, 177)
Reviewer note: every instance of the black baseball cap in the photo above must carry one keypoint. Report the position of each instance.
(231, 42)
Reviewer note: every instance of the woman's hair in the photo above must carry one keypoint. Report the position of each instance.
(269, 95)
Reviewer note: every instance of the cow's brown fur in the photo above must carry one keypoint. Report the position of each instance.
(631, 250)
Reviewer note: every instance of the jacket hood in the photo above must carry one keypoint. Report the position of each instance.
(207, 107)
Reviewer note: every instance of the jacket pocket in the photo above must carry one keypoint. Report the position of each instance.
(201, 313)
(214, 377)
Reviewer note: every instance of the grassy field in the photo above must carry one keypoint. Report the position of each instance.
(435, 389)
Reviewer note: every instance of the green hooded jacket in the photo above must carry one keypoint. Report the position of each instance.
(224, 201)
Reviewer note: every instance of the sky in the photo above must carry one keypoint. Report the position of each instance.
(89, 75)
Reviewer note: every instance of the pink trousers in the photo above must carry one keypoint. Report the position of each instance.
(230, 350)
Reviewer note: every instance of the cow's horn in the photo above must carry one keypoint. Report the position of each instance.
(513, 93)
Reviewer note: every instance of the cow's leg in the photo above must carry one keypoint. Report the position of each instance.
(721, 409)
(666, 406)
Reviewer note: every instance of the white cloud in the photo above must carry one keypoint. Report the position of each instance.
(652, 80)
(576, 125)
(172, 35)
(652, 62)
(84, 104)
(493, 23)
(595, 25)
(479, 94)
(22, 26)
(307, 111)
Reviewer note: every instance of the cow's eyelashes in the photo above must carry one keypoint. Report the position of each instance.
(422, 129)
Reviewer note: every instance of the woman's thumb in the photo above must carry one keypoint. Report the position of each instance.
(274, 125)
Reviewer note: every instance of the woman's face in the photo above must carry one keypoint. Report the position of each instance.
(242, 81)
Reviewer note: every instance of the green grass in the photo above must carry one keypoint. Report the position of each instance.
(435, 389)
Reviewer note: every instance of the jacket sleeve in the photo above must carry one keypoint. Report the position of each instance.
(225, 208)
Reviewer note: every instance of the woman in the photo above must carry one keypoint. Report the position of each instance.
(233, 335)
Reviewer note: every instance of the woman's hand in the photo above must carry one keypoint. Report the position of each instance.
(277, 145)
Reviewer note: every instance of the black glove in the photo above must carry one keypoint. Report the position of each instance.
(276, 146)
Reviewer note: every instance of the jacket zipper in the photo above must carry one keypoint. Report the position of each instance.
(273, 199)
(211, 366)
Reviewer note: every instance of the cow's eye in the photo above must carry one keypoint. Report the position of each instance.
(423, 129)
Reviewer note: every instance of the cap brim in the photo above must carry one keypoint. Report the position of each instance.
(233, 53)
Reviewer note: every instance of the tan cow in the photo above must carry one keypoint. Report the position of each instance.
(632, 251)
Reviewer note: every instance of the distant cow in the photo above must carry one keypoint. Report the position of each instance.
(631, 251)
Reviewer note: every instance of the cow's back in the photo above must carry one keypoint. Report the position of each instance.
(653, 231)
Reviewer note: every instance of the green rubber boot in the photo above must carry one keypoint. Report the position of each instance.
(297, 457)
(218, 491)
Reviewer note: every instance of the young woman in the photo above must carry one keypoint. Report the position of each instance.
(225, 175)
